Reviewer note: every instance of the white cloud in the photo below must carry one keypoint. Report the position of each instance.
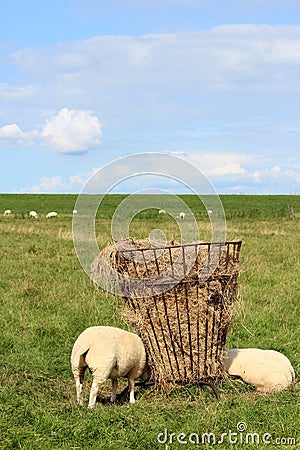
(247, 173)
(293, 175)
(56, 184)
(276, 175)
(72, 131)
(8, 92)
(276, 169)
(12, 135)
(231, 90)
(225, 54)
(169, 81)
(219, 164)
(77, 179)
(256, 176)
(252, 175)
(11, 131)
(230, 168)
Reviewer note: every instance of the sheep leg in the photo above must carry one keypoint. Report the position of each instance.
(79, 376)
(97, 380)
(79, 388)
(93, 394)
(114, 383)
(131, 390)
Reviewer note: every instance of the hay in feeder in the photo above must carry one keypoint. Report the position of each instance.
(179, 298)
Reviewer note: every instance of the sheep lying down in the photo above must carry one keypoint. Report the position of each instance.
(267, 370)
(109, 353)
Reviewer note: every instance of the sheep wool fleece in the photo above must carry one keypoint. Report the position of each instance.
(109, 353)
(268, 370)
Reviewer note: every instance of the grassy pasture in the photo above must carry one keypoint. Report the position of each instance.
(47, 300)
(236, 206)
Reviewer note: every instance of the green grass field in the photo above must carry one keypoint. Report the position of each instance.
(47, 300)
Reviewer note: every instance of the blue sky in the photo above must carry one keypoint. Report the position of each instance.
(85, 82)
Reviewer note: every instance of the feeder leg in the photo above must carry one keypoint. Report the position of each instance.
(215, 390)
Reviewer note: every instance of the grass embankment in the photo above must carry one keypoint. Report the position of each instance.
(47, 300)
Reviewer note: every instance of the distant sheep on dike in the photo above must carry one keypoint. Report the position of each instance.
(267, 370)
(7, 212)
(109, 353)
(33, 214)
(51, 214)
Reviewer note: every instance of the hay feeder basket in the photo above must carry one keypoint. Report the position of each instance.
(182, 317)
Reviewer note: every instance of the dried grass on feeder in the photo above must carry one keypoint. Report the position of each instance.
(183, 324)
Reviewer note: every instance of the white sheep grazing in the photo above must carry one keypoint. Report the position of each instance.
(182, 216)
(109, 353)
(75, 212)
(209, 212)
(7, 212)
(33, 214)
(268, 370)
(162, 211)
(51, 214)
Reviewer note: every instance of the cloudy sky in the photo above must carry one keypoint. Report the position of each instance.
(84, 82)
